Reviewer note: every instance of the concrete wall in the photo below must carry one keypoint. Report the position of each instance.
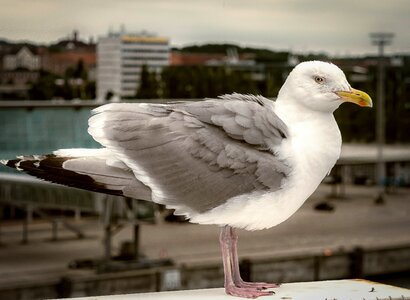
(358, 263)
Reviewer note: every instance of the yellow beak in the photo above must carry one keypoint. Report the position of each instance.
(355, 96)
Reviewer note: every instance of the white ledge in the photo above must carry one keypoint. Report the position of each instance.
(318, 290)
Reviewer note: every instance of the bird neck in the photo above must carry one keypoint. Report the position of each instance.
(291, 112)
(310, 127)
(314, 135)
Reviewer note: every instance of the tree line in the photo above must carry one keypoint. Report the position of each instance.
(75, 84)
(194, 82)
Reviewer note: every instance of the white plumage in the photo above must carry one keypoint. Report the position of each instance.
(239, 161)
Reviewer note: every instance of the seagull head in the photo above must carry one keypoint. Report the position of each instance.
(321, 86)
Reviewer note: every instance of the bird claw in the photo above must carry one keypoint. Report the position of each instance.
(257, 285)
(244, 292)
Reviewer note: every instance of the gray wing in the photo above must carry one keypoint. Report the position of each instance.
(195, 156)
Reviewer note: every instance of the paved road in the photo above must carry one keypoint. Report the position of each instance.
(355, 221)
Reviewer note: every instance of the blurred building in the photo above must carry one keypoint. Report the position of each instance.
(67, 53)
(120, 57)
(20, 66)
(23, 58)
(179, 58)
(231, 60)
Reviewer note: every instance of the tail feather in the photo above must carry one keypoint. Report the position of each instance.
(88, 173)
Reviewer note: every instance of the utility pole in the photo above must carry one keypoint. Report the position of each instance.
(381, 39)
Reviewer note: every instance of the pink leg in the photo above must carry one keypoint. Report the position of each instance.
(236, 272)
(230, 286)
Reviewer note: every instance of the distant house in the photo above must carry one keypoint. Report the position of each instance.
(58, 62)
(232, 60)
(67, 53)
(19, 70)
(24, 58)
(179, 58)
(194, 59)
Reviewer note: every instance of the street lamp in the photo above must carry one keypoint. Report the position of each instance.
(380, 39)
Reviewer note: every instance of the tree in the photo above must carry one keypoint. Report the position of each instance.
(44, 88)
(148, 87)
(80, 71)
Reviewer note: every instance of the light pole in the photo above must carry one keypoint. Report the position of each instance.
(380, 39)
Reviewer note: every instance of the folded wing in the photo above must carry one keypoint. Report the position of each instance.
(195, 156)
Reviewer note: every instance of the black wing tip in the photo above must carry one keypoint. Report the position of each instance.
(15, 163)
(12, 163)
(50, 168)
(4, 162)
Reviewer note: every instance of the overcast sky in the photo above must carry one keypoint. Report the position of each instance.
(335, 27)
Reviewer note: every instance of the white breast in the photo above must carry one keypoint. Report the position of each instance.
(312, 150)
(314, 147)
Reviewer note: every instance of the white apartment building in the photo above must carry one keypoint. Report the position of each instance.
(120, 58)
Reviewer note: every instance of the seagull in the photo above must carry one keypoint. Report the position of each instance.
(237, 161)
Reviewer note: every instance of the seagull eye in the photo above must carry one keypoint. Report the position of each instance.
(319, 79)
